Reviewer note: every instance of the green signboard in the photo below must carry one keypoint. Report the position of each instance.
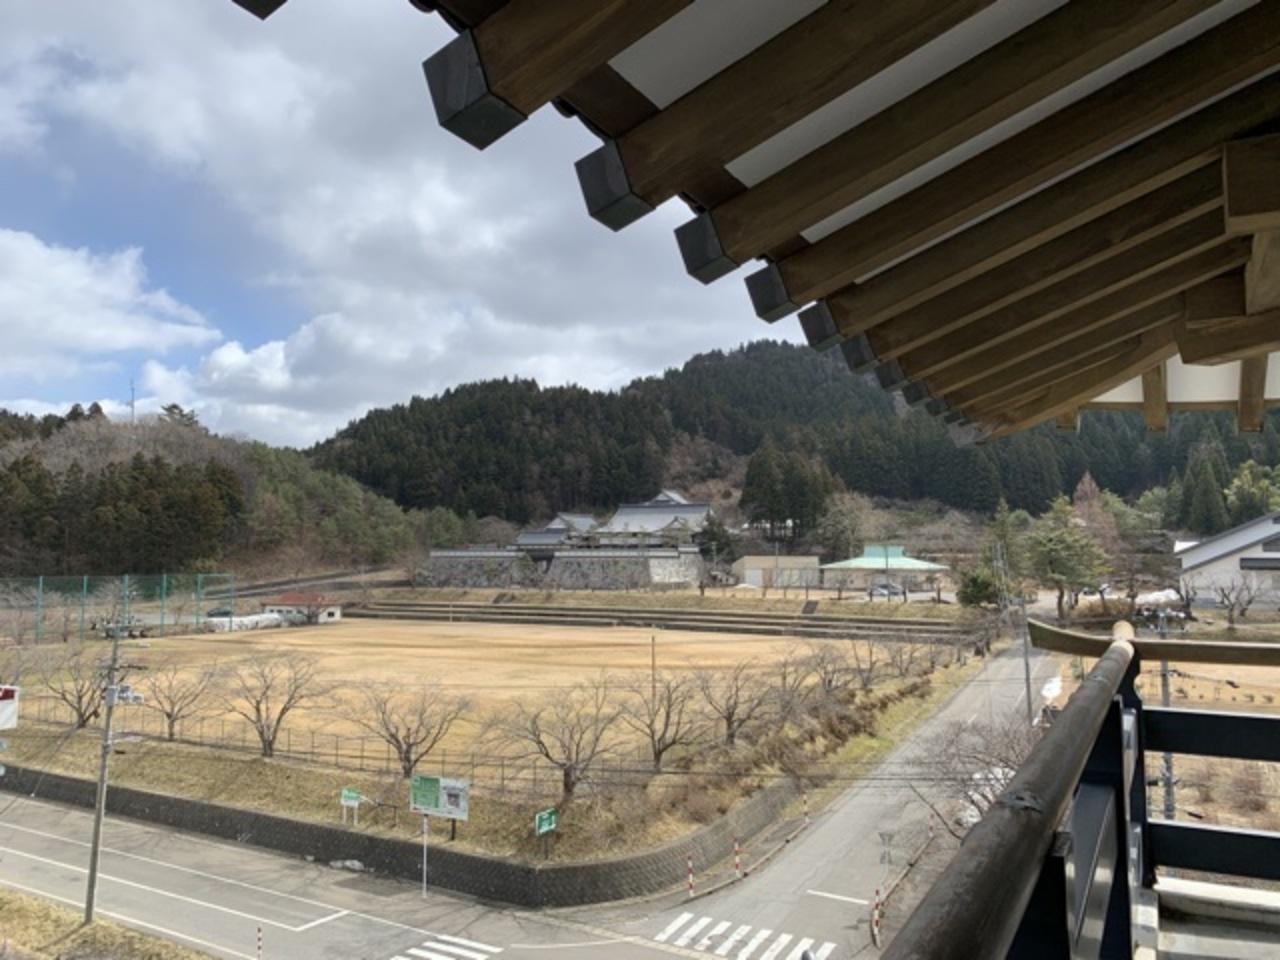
(439, 796)
(351, 797)
(544, 822)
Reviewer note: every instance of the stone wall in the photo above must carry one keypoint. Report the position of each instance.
(580, 570)
(525, 884)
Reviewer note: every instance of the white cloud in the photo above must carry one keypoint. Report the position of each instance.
(62, 308)
(422, 262)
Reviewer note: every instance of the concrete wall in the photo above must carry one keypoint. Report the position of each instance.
(1222, 572)
(578, 570)
(525, 884)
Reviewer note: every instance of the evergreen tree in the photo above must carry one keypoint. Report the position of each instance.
(1206, 509)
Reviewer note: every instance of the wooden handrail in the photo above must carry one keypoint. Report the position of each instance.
(1073, 642)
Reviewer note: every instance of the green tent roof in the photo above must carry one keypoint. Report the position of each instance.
(882, 556)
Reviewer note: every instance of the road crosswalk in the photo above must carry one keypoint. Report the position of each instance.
(444, 947)
(721, 938)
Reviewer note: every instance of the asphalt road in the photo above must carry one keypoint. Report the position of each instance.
(218, 896)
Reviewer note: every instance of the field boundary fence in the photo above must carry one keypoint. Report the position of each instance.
(60, 609)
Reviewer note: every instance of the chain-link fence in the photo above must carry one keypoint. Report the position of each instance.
(65, 608)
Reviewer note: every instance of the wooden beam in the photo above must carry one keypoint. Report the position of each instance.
(487, 80)
(1069, 420)
(1253, 393)
(1152, 348)
(831, 51)
(1156, 255)
(1251, 177)
(1148, 292)
(1262, 273)
(1229, 338)
(1137, 104)
(1195, 197)
(1155, 399)
(1045, 353)
(1038, 61)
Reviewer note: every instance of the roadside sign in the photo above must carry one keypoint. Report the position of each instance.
(351, 797)
(1, 769)
(8, 707)
(440, 797)
(544, 822)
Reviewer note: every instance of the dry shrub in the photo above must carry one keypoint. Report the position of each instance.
(1247, 789)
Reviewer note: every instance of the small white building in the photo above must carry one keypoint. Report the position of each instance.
(1248, 554)
(304, 608)
(779, 571)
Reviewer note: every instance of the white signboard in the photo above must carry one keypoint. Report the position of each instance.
(440, 797)
(8, 708)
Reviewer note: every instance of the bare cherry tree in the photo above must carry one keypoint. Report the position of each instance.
(178, 693)
(902, 655)
(1236, 597)
(76, 680)
(736, 696)
(411, 722)
(15, 661)
(865, 660)
(571, 730)
(830, 666)
(266, 689)
(791, 684)
(661, 709)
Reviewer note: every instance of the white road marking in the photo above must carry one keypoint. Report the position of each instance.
(835, 896)
(824, 951)
(315, 923)
(673, 926)
(463, 941)
(692, 931)
(800, 948)
(131, 921)
(724, 948)
(776, 947)
(718, 929)
(449, 948)
(750, 948)
(426, 954)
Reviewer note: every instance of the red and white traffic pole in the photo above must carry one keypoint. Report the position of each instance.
(805, 795)
(737, 858)
(875, 919)
(690, 862)
(259, 943)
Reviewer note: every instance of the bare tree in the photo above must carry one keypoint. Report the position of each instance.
(570, 730)
(902, 655)
(830, 665)
(1237, 597)
(76, 680)
(736, 696)
(972, 763)
(14, 664)
(411, 722)
(864, 662)
(661, 710)
(178, 693)
(266, 689)
(791, 686)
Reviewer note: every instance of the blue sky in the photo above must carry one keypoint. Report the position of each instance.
(262, 221)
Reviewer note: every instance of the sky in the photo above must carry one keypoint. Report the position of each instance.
(263, 222)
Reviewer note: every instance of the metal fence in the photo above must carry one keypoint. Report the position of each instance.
(64, 608)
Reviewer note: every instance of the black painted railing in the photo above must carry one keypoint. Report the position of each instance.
(1057, 865)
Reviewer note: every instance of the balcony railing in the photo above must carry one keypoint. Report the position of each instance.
(1059, 865)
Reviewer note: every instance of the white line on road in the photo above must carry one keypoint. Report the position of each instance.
(315, 923)
(737, 935)
(692, 931)
(473, 944)
(750, 948)
(673, 926)
(427, 954)
(457, 951)
(718, 929)
(800, 948)
(776, 947)
(824, 951)
(131, 921)
(835, 896)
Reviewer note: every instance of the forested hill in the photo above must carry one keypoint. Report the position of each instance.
(517, 450)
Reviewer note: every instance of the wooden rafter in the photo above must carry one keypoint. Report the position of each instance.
(1195, 197)
(1059, 300)
(1042, 352)
(1038, 61)
(1187, 77)
(1215, 327)
(1253, 396)
(1251, 178)
(487, 80)
(1154, 347)
(835, 48)
(1262, 274)
(1149, 291)
(1155, 399)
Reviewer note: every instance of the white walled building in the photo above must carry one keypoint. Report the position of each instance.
(305, 607)
(1247, 553)
(781, 571)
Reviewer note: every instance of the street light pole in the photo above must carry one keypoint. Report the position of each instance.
(109, 694)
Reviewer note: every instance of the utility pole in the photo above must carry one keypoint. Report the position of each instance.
(1170, 807)
(1007, 609)
(653, 670)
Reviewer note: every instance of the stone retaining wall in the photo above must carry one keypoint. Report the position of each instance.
(502, 570)
(525, 884)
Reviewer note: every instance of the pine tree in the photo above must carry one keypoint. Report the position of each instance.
(1206, 511)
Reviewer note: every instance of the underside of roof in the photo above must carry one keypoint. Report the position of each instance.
(1010, 210)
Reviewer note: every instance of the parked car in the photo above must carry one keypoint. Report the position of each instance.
(220, 612)
(886, 590)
